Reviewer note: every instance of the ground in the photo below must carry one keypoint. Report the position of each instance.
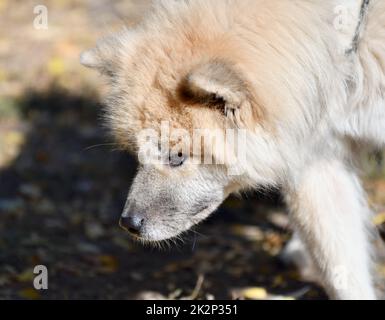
(62, 186)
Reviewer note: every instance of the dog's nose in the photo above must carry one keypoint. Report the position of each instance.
(132, 223)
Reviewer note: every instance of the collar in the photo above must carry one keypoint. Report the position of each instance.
(361, 18)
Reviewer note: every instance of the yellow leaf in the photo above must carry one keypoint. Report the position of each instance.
(255, 293)
(379, 219)
(14, 138)
(26, 276)
(278, 280)
(284, 298)
(3, 4)
(29, 293)
(109, 264)
(3, 74)
(381, 270)
(56, 66)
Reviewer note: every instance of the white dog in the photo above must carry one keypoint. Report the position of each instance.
(305, 79)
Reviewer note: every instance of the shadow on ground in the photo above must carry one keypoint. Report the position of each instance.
(60, 201)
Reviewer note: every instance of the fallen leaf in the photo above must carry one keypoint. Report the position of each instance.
(108, 264)
(255, 293)
(29, 293)
(149, 295)
(278, 280)
(279, 219)
(381, 270)
(14, 138)
(251, 233)
(56, 66)
(285, 298)
(26, 276)
(379, 219)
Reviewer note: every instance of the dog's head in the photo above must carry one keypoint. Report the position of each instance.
(206, 111)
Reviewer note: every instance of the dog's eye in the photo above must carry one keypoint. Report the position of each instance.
(177, 160)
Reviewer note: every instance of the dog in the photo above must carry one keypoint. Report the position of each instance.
(300, 86)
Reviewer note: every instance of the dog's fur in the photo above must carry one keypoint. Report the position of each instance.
(282, 70)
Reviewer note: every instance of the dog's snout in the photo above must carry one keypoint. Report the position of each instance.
(132, 223)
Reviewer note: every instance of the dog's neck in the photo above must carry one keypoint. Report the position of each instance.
(361, 18)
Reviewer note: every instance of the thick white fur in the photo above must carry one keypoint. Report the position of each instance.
(316, 101)
(335, 221)
(331, 214)
(326, 201)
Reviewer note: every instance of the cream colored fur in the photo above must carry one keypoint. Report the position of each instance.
(279, 69)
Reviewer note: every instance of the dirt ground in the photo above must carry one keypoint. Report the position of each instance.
(62, 187)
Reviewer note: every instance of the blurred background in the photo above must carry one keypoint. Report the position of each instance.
(62, 187)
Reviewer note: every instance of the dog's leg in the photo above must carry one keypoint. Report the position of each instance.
(328, 208)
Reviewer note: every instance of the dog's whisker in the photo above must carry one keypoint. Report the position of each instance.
(101, 145)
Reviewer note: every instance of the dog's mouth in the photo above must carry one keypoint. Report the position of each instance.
(155, 232)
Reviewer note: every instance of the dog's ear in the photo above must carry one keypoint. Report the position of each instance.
(107, 54)
(215, 83)
(102, 57)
